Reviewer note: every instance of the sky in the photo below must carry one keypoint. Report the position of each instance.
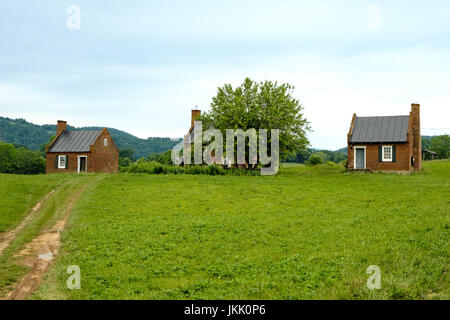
(141, 66)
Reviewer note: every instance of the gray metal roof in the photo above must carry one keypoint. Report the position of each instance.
(75, 141)
(380, 129)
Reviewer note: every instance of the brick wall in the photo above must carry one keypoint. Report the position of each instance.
(72, 165)
(403, 157)
(417, 140)
(61, 126)
(194, 115)
(105, 159)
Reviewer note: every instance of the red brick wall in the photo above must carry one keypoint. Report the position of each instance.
(194, 115)
(72, 165)
(417, 140)
(62, 125)
(403, 155)
(105, 159)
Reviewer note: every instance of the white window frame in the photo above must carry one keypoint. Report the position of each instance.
(105, 142)
(59, 162)
(78, 168)
(382, 154)
(354, 156)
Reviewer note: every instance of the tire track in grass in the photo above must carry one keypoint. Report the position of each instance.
(40, 252)
(7, 237)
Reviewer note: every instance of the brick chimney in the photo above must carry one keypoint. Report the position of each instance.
(61, 127)
(194, 115)
(352, 125)
(417, 139)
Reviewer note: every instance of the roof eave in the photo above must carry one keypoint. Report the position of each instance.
(377, 142)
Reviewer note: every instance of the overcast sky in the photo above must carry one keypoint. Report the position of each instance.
(140, 66)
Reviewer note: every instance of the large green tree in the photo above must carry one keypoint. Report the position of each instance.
(260, 105)
(441, 145)
(9, 158)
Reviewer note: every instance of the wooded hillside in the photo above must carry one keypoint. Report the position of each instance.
(32, 136)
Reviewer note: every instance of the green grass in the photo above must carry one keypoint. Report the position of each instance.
(19, 193)
(308, 233)
(46, 216)
(153, 167)
(291, 164)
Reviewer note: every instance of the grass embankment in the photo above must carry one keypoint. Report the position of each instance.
(307, 233)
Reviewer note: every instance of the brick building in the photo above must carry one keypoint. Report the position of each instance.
(390, 143)
(189, 138)
(82, 151)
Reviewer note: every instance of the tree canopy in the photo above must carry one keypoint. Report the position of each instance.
(441, 145)
(260, 105)
(20, 160)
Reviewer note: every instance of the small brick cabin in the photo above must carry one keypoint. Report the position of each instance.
(82, 151)
(390, 143)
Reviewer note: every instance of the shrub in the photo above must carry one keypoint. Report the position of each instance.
(153, 167)
(163, 158)
(314, 160)
(329, 167)
(343, 163)
(214, 170)
(125, 162)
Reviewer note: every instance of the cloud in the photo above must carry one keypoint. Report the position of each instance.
(142, 66)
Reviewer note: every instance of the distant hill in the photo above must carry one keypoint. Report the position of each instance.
(23, 133)
(32, 136)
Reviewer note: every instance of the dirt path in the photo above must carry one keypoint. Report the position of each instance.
(7, 237)
(40, 252)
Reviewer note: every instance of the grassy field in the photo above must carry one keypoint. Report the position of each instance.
(19, 193)
(22, 193)
(307, 233)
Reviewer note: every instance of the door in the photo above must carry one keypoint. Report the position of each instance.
(360, 161)
(82, 164)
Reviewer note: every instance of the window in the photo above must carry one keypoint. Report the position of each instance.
(387, 153)
(62, 160)
(105, 142)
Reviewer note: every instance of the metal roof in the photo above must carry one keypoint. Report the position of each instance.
(380, 129)
(75, 141)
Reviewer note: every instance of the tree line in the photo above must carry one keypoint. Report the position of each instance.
(314, 156)
(32, 136)
(19, 160)
(438, 144)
